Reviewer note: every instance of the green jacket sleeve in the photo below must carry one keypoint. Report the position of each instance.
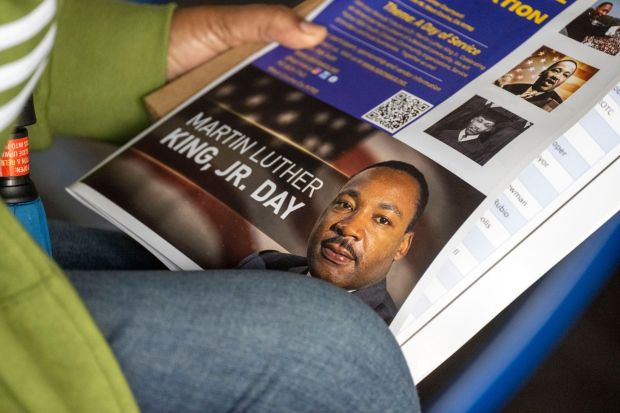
(54, 358)
(108, 55)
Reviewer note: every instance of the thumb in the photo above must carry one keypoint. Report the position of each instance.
(261, 23)
(198, 34)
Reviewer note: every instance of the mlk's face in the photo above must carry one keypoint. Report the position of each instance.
(603, 10)
(364, 229)
(554, 76)
(478, 125)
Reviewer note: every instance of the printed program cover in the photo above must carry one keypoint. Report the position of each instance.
(468, 93)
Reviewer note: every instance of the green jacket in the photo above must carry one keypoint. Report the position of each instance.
(107, 56)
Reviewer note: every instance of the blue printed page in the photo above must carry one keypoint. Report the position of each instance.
(424, 49)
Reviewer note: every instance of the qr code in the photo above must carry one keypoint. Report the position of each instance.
(397, 111)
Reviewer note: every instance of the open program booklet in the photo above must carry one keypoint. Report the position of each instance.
(467, 92)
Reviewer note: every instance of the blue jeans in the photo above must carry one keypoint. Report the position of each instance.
(239, 340)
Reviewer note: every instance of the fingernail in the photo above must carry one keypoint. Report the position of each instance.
(309, 28)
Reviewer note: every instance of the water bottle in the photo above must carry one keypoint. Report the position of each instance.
(16, 187)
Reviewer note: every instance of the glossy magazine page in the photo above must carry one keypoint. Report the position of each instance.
(466, 92)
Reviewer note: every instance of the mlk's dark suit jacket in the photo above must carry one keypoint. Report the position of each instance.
(538, 100)
(376, 295)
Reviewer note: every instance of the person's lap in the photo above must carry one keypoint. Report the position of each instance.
(242, 340)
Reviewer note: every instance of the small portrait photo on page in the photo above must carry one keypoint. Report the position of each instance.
(478, 129)
(546, 78)
(597, 27)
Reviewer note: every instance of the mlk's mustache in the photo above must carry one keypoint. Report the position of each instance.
(341, 242)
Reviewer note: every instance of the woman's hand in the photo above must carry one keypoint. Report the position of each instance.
(198, 34)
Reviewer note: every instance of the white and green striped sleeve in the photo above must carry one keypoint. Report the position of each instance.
(106, 56)
(27, 32)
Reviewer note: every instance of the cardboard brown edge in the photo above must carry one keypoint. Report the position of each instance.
(176, 92)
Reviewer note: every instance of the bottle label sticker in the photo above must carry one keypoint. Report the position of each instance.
(15, 160)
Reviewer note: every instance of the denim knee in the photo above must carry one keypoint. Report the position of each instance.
(247, 340)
